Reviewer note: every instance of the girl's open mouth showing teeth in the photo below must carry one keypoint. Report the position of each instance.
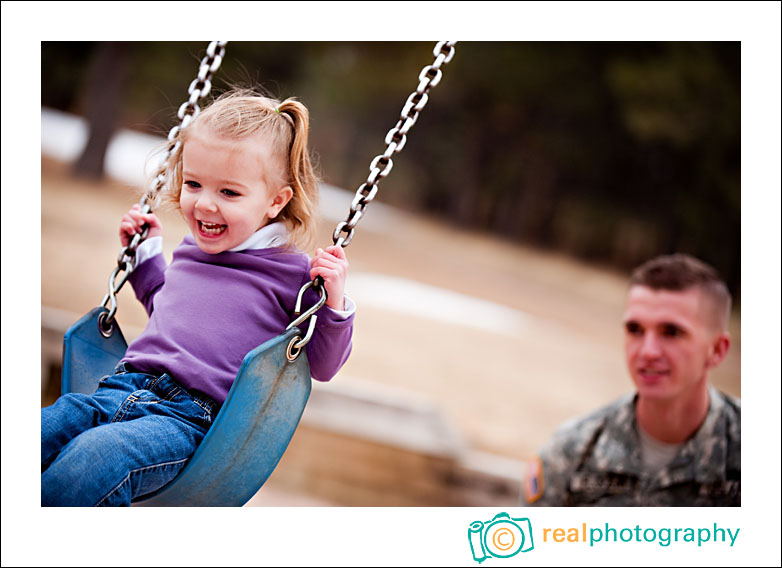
(211, 228)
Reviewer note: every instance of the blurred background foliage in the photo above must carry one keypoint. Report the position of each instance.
(612, 152)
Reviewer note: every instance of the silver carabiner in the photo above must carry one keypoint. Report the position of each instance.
(318, 305)
(298, 345)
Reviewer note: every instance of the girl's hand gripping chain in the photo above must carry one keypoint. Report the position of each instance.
(332, 265)
(132, 222)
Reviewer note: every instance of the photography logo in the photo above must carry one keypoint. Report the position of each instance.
(502, 537)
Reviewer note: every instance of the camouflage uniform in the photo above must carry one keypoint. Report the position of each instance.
(596, 461)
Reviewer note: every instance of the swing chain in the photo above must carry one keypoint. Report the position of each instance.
(106, 321)
(395, 140)
(379, 168)
(198, 90)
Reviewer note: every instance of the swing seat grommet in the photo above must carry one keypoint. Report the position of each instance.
(293, 351)
(106, 329)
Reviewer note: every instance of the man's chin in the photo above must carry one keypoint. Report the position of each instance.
(653, 390)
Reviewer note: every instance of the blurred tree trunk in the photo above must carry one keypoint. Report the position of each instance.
(103, 97)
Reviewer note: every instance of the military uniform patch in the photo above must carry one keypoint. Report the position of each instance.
(533, 480)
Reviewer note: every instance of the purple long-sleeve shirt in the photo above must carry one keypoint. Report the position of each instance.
(207, 311)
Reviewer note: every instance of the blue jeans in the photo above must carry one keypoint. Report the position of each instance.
(129, 438)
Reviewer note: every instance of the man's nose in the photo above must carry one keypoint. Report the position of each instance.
(650, 346)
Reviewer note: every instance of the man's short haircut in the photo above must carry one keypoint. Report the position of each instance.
(679, 272)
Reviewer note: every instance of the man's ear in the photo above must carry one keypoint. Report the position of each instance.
(720, 348)
(281, 199)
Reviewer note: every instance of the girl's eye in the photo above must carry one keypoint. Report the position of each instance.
(193, 184)
(230, 193)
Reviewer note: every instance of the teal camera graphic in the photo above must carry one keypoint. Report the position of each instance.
(502, 537)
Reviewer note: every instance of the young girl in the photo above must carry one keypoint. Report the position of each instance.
(243, 182)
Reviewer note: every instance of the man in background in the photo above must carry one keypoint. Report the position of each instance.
(676, 441)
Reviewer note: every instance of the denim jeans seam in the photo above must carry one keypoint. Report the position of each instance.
(123, 409)
(154, 382)
(203, 405)
(137, 470)
(174, 392)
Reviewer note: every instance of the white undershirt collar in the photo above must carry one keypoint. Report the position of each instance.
(655, 455)
(271, 235)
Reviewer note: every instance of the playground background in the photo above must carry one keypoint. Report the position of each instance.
(470, 347)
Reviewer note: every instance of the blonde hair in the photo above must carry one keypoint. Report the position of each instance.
(241, 113)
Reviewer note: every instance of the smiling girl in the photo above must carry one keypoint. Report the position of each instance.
(243, 181)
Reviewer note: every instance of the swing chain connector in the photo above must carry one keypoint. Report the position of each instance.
(297, 343)
(395, 140)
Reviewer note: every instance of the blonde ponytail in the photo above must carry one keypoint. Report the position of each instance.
(300, 211)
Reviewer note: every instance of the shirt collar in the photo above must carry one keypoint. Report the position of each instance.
(618, 446)
(271, 235)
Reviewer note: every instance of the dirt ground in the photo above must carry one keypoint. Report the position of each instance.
(504, 387)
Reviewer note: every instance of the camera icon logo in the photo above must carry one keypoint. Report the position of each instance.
(502, 537)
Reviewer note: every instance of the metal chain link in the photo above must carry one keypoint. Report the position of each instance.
(395, 140)
(379, 168)
(198, 90)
